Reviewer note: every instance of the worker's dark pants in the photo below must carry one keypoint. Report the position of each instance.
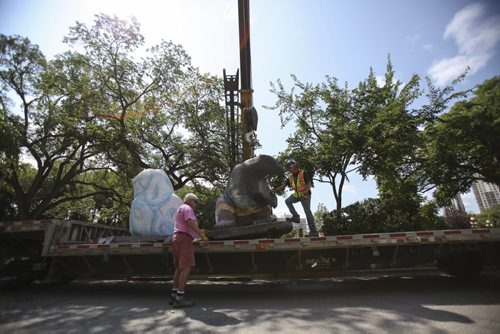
(306, 205)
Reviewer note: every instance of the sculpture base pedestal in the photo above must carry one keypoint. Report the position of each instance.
(271, 230)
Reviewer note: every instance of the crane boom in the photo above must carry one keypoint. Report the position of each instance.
(248, 113)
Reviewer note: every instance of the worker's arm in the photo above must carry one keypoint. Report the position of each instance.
(307, 189)
(279, 188)
(307, 186)
(192, 224)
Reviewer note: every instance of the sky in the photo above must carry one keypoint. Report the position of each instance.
(308, 38)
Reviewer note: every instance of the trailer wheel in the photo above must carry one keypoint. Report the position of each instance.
(64, 279)
(15, 270)
(466, 265)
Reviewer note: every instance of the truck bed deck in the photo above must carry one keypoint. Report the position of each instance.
(79, 249)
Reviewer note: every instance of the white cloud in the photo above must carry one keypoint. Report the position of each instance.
(380, 80)
(413, 38)
(476, 37)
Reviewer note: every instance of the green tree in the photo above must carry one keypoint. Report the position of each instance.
(113, 109)
(430, 218)
(8, 152)
(454, 218)
(463, 145)
(318, 216)
(381, 215)
(359, 217)
(49, 131)
(111, 207)
(370, 130)
(326, 133)
(159, 110)
(489, 217)
(389, 153)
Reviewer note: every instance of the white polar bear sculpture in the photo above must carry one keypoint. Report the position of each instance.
(154, 205)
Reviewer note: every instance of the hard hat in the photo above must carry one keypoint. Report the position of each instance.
(290, 162)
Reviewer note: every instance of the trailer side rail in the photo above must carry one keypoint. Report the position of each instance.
(358, 240)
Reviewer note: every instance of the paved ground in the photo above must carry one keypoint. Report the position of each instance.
(424, 303)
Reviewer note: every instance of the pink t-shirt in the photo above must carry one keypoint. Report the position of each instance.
(185, 212)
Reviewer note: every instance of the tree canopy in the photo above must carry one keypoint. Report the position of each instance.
(75, 129)
(370, 130)
(463, 145)
(384, 131)
(104, 110)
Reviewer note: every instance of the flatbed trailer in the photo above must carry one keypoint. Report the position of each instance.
(62, 250)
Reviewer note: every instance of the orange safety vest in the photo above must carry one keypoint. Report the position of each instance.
(300, 186)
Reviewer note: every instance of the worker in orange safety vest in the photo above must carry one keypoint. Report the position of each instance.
(299, 181)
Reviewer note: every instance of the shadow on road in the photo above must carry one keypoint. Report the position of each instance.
(212, 317)
(350, 303)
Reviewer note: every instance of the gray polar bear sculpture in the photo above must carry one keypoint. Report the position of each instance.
(247, 198)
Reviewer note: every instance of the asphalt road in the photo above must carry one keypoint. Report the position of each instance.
(403, 303)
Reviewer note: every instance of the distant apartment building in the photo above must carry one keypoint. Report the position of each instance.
(458, 204)
(487, 194)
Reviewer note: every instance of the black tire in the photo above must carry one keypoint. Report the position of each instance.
(466, 265)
